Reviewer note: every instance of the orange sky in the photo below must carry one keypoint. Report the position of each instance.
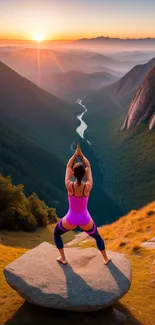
(74, 19)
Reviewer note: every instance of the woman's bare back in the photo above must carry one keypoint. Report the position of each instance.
(78, 191)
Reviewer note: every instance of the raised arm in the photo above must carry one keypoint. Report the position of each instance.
(69, 173)
(89, 179)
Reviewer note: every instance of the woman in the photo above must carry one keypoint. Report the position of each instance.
(78, 215)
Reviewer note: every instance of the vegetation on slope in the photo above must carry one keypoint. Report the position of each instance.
(17, 212)
(39, 170)
(127, 158)
(36, 132)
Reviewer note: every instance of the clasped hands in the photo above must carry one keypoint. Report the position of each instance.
(78, 151)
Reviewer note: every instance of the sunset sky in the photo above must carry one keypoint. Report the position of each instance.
(73, 19)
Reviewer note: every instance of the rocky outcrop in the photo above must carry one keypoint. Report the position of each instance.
(84, 284)
(152, 122)
(130, 82)
(142, 107)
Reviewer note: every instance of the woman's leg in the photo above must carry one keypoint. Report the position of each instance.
(58, 231)
(93, 232)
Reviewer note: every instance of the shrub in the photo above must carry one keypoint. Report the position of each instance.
(41, 217)
(19, 213)
(122, 244)
(150, 213)
(52, 215)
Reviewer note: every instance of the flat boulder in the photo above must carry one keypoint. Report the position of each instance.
(84, 284)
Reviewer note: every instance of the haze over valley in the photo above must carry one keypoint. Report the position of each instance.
(39, 92)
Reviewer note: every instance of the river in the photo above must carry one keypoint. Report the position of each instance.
(83, 126)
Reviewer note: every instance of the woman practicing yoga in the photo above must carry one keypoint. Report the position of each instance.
(78, 215)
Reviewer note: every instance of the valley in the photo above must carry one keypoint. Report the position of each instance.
(127, 156)
(100, 196)
(40, 130)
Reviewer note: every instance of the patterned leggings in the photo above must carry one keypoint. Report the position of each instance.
(93, 232)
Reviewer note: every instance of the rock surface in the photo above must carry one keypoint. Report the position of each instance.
(84, 284)
(142, 107)
(150, 244)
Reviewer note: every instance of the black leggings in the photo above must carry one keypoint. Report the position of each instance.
(93, 232)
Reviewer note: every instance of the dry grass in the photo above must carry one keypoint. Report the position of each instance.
(127, 233)
(124, 235)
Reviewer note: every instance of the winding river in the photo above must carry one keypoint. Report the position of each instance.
(83, 126)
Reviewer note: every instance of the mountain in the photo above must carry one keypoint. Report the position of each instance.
(37, 64)
(100, 68)
(130, 82)
(27, 108)
(36, 132)
(75, 84)
(126, 159)
(102, 59)
(132, 55)
(108, 45)
(142, 107)
(117, 39)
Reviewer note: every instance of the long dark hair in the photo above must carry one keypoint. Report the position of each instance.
(79, 172)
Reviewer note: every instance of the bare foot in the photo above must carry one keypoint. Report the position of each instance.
(107, 261)
(60, 259)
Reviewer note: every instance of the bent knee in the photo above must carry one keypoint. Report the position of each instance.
(57, 231)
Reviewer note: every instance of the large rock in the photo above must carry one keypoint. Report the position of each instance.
(84, 284)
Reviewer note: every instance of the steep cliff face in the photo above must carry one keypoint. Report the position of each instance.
(142, 107)
(130, 82)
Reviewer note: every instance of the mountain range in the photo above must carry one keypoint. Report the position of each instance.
(37, 131)
(108, 39)
(75, 84)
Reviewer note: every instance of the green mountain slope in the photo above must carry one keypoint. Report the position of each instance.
(36, 132)
(27, 163)
(127, 158)
(37, 114)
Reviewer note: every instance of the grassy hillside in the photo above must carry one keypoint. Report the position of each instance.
(123, 236)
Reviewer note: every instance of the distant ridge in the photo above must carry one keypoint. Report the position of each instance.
(106, 38)
(130, 82)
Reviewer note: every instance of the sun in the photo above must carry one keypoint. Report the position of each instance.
(39, 37)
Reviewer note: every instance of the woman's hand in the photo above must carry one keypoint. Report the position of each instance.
(78, 151)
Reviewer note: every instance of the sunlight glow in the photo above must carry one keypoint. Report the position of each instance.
(39, 37)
